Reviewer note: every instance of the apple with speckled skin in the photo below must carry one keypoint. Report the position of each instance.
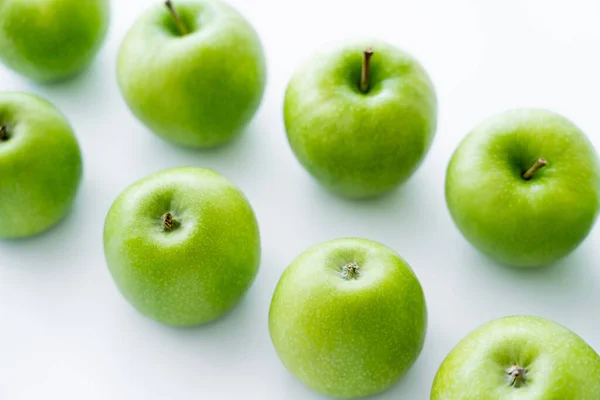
(524, 187)
(193, 72)
(182, 245)
(360, 117)
(519, 357)
(51, 40)
(348, 318)
(40, 165)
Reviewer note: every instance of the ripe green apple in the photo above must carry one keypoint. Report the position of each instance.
(348, 318)
(40, 165)
(519, 357)
(360, 117)
(524, 186)
(182, 245)
(51, 40)
(193, 72)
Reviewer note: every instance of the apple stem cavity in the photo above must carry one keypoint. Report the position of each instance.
(517, 376)
(539, 164)
(3, 133)
(364, 78)
(350, 271)
(169, 222)
(179, 23)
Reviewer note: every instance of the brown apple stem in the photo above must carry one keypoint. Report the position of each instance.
(364, 79)
(539, 164)
(169, 222)
(3, 133)
(179, 23)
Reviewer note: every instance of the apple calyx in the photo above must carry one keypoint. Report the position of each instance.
(169, 222)
(539, 164)
(179, 23)
(350, 271)
(3, 133)
(517, 376)
(364, 78)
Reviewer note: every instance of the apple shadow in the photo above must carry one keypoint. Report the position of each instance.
(555, 272)
(202, 346)
(399, 199)
(239, 330)
(234, 157)
(568, 280)
(384, 198)
(297, 390)
(216, 326)
(402, 219)
(409, 383)
(240, 337)
(52, 244)
(90, 87)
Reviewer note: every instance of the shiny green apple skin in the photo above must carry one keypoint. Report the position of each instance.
(359, 144)
(51, 40)
(348, 338)
(198, 90)
(198, 270)
(40, 165)
(522, 222)
(559, 364)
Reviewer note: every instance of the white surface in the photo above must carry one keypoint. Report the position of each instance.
(66, 333)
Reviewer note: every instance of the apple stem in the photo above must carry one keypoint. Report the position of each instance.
(517, 376)
(364, 79)
(539, 164)
(3, 133)
(169, 222)
(179, 23)
(350, 271)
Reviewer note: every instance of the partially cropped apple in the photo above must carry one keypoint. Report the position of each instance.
(520, 357)
(51, 40)
(348, 318)
(360, 117)
(524, 187)
(192, 71)
(182, 245)
(40, 165)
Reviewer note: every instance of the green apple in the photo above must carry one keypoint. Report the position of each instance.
(40, 165)
(182, 245)
(519, 358)
(51, 40)
(348, 318)
(360, 117)
(193, 72)
(524, 187)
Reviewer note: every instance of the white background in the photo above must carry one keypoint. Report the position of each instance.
(66, 333)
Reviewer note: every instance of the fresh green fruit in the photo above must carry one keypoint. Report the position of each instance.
(40, 165)
(524, 186)
(519, 358)
(182, 245)
(360, 121)
(348, 318)
(51, 40)
(194, 75)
